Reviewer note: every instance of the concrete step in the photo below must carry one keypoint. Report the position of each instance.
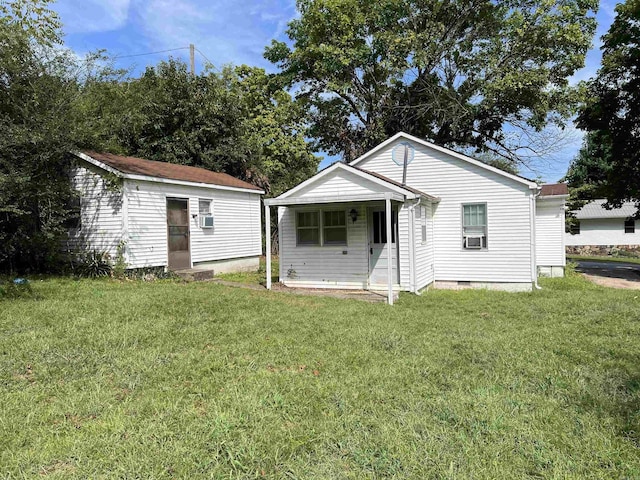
(195, 274)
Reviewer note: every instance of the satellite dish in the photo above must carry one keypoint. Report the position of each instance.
(400, 151)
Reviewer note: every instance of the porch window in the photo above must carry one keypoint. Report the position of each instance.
(308, 228)
(334, 227)
(474, 226)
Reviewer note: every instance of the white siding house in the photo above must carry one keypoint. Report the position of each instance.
(453, 222)
(599, 227)
(162, 215)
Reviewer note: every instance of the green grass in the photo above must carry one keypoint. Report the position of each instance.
(255, 278)
(597, 258)
(106, 379)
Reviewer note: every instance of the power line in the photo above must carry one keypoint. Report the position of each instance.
(169, 50)
(205, 57)
(154, 53)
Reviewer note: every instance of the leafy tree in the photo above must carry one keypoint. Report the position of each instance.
(589, 171)
(239, 121)
(608, 166)
(37, 89)
(457, 73)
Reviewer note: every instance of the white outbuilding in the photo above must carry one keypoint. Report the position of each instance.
(157, 214)
(410, 214)
(599, 229)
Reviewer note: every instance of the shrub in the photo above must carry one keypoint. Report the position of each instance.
(94, 264)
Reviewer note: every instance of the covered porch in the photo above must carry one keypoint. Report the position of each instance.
(351, 242)
(347, 228)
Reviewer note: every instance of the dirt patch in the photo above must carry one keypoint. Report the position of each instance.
(613, 282)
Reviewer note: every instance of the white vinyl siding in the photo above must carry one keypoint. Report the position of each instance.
(424, 250)
(550, 233)
(236, 233)
(341, 266)
(100, 212)
(603, 231)
(340, 183)
(456, 182)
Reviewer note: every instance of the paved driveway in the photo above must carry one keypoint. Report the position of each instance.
(611, 274)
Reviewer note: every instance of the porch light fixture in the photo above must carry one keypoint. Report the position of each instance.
(353, 214)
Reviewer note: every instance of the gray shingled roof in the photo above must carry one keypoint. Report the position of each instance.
(595, 209)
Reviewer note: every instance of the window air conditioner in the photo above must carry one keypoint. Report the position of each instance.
(473, 241)
(206, 221)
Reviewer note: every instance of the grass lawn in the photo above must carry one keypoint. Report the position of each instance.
(103, 379)
(595, 258)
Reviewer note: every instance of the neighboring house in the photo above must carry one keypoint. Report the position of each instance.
(409, 214)
(158, 214)
(598, 230)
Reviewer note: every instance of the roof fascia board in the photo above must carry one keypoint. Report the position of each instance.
(145, 178)
(96, 163)
(446, 151)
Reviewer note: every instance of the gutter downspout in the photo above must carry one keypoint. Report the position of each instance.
(534, 262)
(412, 250)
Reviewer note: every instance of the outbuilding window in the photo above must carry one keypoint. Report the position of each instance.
(334, 227)
(204, 207)
(204, 213)
(474, 226)
(74, 215)
(630, 226)
(308, 228)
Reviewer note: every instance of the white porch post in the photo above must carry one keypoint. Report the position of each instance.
(389, 252)
(267, 235)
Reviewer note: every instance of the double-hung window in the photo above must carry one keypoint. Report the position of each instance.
(334, 227)
(323, 227)
(308, 228)
(630, 226)
(474, 226)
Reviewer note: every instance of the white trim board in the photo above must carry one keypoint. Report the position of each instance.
(282, 202)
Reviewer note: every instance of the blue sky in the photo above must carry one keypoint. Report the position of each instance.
(232, 31)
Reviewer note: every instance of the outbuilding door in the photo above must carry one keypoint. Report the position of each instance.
(378, 248)
(178, 233)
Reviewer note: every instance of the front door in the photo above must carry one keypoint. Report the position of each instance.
(379, 247)
(178, 233)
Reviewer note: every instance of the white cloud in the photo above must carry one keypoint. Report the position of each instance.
(89, 16)
(227, 31)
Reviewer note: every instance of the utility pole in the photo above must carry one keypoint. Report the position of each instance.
(192, 58)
